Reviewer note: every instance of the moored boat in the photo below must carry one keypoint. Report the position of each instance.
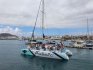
(78, 43)
(89, 44)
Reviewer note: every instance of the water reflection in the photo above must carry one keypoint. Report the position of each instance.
(45, 63)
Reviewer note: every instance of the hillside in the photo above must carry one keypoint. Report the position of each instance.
(7, 36)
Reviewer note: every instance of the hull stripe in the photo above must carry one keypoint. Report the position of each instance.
(58, 55)
(32, 52)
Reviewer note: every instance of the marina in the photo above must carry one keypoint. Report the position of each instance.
(46, 34)
(81, 44)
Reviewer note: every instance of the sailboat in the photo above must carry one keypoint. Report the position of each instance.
(45, 48)
(89, 43)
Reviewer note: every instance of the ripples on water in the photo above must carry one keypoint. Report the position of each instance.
(11, 59)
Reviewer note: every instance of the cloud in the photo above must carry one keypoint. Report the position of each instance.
(8, 29)
(15, 31)
(58, 14)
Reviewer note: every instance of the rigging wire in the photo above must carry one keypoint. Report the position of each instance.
(32, 37)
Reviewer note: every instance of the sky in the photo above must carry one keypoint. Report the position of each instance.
(61, 17)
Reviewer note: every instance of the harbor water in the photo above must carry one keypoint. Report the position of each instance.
(11, 59)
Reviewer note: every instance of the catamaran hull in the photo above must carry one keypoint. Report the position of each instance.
(68, 52)
(47, 54)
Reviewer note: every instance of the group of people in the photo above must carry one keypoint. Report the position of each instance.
(46, 46)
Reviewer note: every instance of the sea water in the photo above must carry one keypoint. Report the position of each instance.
(11, 59)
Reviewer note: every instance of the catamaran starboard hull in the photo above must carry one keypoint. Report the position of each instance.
(46, 54)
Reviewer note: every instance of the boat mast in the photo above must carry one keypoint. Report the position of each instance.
(87, 30)
(43, 18)
(32, 37)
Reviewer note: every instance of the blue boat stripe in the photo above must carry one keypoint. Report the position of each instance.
(32, 52)
(58, 55)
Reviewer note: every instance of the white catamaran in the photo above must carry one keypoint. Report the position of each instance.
(45, 48)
